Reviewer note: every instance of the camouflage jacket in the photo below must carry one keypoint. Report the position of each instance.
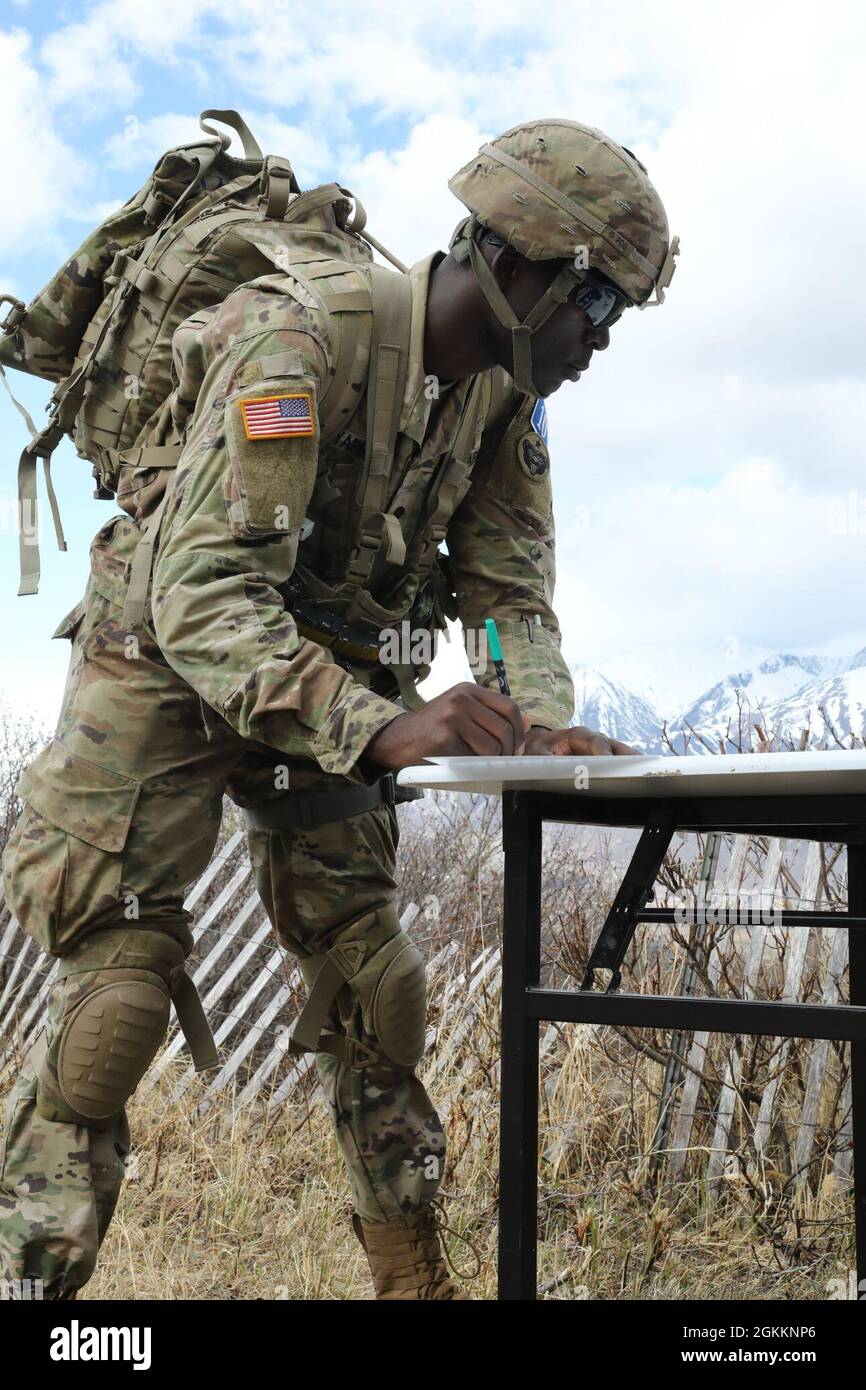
(218, 610)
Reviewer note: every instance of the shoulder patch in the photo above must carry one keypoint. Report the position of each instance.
(533, 455)
(278, 417)
(538, 419)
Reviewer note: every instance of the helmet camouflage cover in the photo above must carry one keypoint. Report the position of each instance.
(554, 189)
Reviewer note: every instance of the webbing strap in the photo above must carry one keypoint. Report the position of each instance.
(307, 810)
(28, 517)
(341, 301)
(405, 677)
(42, 445)
(142, 560)
(338, 966)
(521, 329)
(395, 545)
(444, 488)
(193, 1023)
(313, 199)
(348, 329)
(389, 355)
(236, 122)
(319, 269)
(279, 183)
(309, 1034)
(147, 456)
(22, 410)
(149, 283)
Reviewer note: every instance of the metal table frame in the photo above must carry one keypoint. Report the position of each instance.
(825, 817)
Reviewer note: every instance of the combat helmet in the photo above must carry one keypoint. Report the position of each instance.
(557, 190)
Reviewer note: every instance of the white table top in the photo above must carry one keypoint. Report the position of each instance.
(635, 776)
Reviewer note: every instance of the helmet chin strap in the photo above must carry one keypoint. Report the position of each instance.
(465, 248)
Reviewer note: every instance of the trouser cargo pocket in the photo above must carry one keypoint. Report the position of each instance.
(63, 864)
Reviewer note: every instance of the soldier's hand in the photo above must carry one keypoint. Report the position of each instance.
(580, 741)
(467, 719)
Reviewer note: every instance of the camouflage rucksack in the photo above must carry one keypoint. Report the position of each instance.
(203, 224)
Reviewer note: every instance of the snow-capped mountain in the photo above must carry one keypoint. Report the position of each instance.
(784, 693)
(604, 704)
(744, 697)
(833, 706)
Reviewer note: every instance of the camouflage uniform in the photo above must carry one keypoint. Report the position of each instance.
(216, 693)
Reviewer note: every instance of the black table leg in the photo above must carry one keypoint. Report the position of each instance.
(521, 966)
(857, 995)
(524, 1003)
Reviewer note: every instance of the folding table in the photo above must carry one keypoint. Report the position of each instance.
(809, 796)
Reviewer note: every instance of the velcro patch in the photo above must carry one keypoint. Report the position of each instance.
(278, 417)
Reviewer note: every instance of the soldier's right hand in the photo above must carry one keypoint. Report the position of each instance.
(467, 719)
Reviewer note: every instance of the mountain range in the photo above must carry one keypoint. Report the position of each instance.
(783, 693)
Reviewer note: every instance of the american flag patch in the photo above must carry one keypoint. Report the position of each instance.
(278, 417)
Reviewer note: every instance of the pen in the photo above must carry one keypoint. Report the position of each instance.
(496, 655)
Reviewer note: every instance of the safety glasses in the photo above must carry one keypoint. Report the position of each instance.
(601, 302)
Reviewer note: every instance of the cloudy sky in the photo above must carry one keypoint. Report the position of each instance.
(708, 471)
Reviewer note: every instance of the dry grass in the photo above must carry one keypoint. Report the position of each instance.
(247, 1205)
(253, 1203)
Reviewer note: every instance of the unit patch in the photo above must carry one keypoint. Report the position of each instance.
(533, 455)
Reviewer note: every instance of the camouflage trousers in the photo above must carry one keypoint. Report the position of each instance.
(122, 813)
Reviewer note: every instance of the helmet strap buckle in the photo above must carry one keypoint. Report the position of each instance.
(665, 275)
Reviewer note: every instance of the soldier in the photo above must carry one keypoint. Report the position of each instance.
(245, 660)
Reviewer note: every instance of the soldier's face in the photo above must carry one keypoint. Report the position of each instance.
(562, 348)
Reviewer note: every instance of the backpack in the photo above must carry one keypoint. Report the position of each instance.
(203, 224)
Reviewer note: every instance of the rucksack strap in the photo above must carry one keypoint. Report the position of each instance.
(142, 560)
(389, 356)
(42, 445)
(252, 149)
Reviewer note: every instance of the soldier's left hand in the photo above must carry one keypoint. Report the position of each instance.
(580, 740)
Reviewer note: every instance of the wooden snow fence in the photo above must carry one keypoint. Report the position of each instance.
(728, 1104)
(739, 1105)
(719, 1097)
(252, 993)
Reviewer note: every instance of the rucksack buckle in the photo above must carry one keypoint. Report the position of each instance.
(17, 311)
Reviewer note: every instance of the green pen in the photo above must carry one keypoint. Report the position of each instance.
(496, 654)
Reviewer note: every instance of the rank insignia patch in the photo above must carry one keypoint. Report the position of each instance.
(538, 419)
(278, 417)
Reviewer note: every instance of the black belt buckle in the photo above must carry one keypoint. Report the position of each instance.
(388, 789)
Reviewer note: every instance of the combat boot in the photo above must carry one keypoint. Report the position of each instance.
(406, 1258)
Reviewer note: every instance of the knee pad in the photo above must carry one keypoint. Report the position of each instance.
(110, 1015)
(392, 989)
(384, 972)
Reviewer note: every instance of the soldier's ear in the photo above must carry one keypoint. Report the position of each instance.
(505, 263)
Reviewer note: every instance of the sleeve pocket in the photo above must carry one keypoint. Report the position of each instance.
(272, 441)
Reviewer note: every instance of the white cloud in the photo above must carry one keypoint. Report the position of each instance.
(41, 173)
(708, 443)
(404, 191)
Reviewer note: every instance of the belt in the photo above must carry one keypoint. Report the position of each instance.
(306, 810)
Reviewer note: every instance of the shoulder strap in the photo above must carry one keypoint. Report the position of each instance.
(389, 356)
